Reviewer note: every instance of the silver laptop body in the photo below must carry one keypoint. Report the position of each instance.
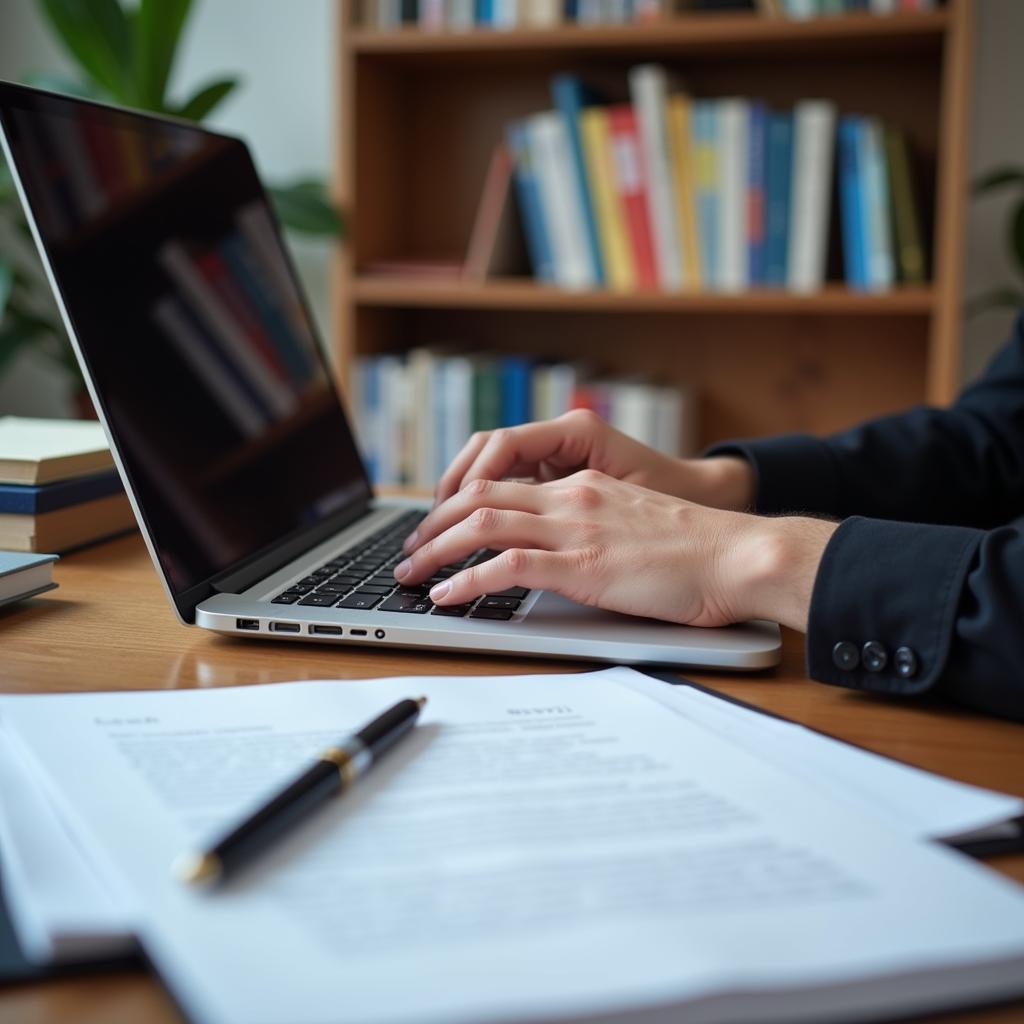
(202, 361)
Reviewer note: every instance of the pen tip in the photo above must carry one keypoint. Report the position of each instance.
(421, 701)
(196, 868)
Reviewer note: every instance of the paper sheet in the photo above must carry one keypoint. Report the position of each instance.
(907, 799)
(540, 847)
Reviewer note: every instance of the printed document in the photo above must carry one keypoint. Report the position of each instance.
(539, 847)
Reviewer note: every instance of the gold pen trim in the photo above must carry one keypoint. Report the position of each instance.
(343, 760)
(198, 868)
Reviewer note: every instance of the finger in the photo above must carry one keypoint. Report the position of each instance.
(484, 528)
(515, 497)
(556, 442)
(451, 477)
(515, 567)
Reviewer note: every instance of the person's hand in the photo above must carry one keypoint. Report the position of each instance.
(619, 546)
(553, 449)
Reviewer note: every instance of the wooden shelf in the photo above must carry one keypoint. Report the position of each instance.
(710, 34)
(512, 294)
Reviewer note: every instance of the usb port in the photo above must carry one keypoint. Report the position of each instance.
(285, 627)
(358, 632)
(253, 624)
(325, 630)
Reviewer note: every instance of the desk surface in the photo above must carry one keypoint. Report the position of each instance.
(109, 626)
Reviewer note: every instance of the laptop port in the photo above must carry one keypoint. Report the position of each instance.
(253, 624)
(326, 630)
(357, 632)
(285, 627)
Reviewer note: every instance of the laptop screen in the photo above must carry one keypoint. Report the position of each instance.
(189, 318)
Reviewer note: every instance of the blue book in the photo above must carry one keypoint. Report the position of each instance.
(29, 500)
(571, 96)
(705, 150)
(252, 280)
(851, 203)
(516, 372)
(778, 182)
(368, 384)
(485, 12)
(531, 210)
(756, 193)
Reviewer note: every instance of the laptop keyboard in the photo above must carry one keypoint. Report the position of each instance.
(363, 578)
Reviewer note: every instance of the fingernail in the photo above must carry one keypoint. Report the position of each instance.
(402, 569)
(441, 590)
(410, 542)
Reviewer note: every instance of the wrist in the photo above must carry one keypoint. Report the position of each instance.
(772, 565)
(723, 481)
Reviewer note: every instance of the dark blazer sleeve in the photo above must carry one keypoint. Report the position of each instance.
(921, 588)
(963, 465)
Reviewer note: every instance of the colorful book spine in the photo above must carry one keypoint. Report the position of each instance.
(515, 390)
(757, 187)
(611, 222)
(779, 167)
(906, 225)
(28, 499)
(486, 394)
(648, 85)
(705, 160)
(538, 243)
(734, 119)
(571, 96)
(680, 109)
(878, 240)
(850, 205)
(810, 194)
(632, 189)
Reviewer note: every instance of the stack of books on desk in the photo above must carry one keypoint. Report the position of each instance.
(58, 485)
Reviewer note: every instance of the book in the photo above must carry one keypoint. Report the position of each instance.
(648, 86)
(494, 244)
(733, 121)
(778, 170)
(906, 223)
(41, 451)
(541, 13)
(67, 528)
(876, 207)
(26, 499)
(561, 201)
(608, 210)
(23, 576)
(810, 194)
(528, 200)
(851, 202)
(571, 96)
(631, 185)
(757, 187)
(680, 132)
(515, 390)
(705, 162)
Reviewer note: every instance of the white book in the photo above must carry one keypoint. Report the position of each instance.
(195, 351)
(801, 9)
(811, 193)
(41, 451)
(540, 392)
(541, 13)
(389, 13)
(881, 265)
(389, 424)
(733, 160)
(421, 363)
(632, 409)
(431, 15)
(456, 397)
(616, 12)
(24, 575)
(460, 15)
(506, 14)
(565, 379)
(561, 202)
(648, 86)
(883, 6)
(672, 422)
(221, 323)
(590, 12)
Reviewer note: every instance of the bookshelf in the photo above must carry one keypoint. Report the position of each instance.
(419, 113)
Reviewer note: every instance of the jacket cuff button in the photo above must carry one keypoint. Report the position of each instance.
(845, 656)
(906, 663)
(874, 656)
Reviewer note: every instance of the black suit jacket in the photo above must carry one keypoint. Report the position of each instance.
(922, 586)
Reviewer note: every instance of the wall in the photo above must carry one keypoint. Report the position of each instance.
(283, 51)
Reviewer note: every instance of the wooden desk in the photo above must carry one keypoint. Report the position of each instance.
(109, 626)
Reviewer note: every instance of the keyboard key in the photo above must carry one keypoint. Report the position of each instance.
(347, 579)
(452, 610)
(290, 598)
(334, 588)
(320, 600)
(413, 603)
(505, 603)
(517, 592)
(309, 581)
(358, 601)
(300, 588)
(372, 588)
(418, 590)
(490, 613)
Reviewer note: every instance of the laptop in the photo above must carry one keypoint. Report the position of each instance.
(203, 362)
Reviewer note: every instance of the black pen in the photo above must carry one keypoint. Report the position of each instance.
(330, 775)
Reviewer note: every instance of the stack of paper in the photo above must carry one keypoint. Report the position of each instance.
(541, 847)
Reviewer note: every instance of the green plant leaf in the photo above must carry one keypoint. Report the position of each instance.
(158, 26)
(98, 35)
(304, 207)
(202, 102)
(998, 178)
(1006, 297)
